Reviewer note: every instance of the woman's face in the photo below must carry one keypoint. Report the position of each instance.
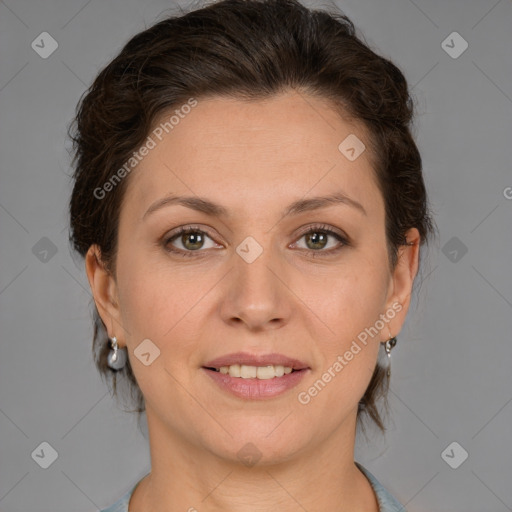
(250, 281)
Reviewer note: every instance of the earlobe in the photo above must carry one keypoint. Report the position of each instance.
(104, 289)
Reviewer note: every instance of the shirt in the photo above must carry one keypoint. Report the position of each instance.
(387, 503)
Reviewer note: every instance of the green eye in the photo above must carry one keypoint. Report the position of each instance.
(192, 240)
(317, 239)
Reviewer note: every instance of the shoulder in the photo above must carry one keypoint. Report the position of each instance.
(121, 505)
(387, 502)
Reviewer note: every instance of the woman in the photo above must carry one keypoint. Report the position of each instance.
(250, 204)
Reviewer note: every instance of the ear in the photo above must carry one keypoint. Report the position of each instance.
(104, 289)
(402, 280)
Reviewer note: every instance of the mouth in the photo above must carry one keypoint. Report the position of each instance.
(256, 376)
(255, 366)
(243, 371)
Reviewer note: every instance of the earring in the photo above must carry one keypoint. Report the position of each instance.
(388, 346)
(116, 358)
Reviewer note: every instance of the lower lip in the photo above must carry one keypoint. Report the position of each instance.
(254, 389)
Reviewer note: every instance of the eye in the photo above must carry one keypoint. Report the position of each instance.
(317, 239)
(191, 240)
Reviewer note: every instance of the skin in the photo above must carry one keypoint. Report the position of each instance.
(253, 158)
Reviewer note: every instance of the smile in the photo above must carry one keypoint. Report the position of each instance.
(254, 372)
(255, 382)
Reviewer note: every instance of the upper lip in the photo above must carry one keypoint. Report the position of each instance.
(256, 360)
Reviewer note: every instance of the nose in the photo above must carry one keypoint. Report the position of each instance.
(256, 294)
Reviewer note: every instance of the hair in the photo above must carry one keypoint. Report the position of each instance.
(250, 50)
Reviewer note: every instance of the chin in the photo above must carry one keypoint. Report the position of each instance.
(263, 442)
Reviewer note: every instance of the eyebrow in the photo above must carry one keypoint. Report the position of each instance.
(206, 206)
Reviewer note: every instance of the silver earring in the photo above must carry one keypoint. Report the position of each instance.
(116, 358)
(388, 346)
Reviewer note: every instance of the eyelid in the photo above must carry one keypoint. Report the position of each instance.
(339, 235)
(174, 234)
(186, 228)
(342, 238)
(322, 227)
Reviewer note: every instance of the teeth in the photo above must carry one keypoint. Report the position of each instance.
(234, 370)
(267, 372)
(255, 372)
(248, 372)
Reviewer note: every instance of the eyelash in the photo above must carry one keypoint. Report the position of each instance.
(311, 252)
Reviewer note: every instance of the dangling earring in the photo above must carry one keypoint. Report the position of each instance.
(388, 346)
(116, 358)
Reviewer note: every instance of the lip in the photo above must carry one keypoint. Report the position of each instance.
(256, 389)
(256, 360)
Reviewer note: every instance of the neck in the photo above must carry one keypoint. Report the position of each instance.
(187, 477)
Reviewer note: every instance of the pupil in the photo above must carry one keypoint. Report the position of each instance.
(317, 238)
(196, 240)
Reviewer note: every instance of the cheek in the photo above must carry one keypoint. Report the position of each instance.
(152, 302)
(349, 354)
(146, 298)
(356, 298)
(158, 302)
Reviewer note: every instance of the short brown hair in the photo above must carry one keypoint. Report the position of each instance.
(246, 49)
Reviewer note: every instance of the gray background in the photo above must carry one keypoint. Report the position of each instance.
(451, 369)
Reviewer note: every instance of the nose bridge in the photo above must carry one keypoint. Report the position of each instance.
(256, 294)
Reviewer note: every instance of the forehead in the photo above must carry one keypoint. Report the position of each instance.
(267, 150)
